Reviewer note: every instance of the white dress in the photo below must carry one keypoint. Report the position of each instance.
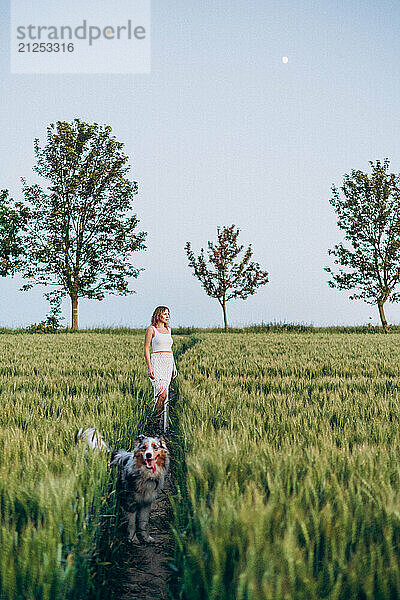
(162, 362)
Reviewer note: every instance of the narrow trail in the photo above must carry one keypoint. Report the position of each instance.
(148, 576)
(149, 572)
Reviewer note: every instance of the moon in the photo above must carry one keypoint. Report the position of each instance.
(285, 59)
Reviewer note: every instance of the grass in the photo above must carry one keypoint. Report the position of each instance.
(286, 449)
(292, 487)
(58, 512)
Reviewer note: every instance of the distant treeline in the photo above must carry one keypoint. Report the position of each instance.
(261, 328)
(77, 235)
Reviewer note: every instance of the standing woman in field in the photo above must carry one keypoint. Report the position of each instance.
(161, 363)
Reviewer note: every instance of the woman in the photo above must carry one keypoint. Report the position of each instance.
(161, 363)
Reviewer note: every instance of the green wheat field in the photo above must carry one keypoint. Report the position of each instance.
(286, 467)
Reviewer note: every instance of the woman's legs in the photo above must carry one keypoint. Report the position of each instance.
(166, 413)
(162, 366)
(160, 401)
(161, 410)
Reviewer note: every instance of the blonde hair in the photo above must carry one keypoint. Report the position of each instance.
(156, 314)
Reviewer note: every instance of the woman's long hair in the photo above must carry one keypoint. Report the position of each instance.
(156, 314)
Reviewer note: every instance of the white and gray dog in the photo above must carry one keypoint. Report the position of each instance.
(93, 439)
(141, 476)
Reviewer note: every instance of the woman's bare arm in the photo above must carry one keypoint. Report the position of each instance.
(174, 371)
(147, 341)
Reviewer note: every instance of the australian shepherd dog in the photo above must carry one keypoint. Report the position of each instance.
(141, 476)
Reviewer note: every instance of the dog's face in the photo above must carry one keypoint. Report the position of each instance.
(150, 453)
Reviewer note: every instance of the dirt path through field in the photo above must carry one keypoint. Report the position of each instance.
(148, 570)
(147, 577)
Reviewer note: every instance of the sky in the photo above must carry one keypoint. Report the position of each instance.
(222, 132)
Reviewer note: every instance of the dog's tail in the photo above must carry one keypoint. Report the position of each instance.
(92, 438)
(120, 457)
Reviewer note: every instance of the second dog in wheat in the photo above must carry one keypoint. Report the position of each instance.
(92, 438)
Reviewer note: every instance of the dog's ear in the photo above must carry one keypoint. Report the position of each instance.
(139, 440)
(114, 457)
(78, 436)
(162, 442)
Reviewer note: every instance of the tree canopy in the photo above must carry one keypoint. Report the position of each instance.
(228, 274)
(368, 211)
(13, 219)
(81, 230)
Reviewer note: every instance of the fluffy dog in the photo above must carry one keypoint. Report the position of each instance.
(141, 476)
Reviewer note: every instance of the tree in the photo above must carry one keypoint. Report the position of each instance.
(80, 234)
(224, 277)
(13, 218)
(369, 214)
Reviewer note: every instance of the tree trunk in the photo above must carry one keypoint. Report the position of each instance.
(383, 318)
(74, 304)
(224, 311)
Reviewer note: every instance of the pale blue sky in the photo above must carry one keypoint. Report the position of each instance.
(223, 132)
